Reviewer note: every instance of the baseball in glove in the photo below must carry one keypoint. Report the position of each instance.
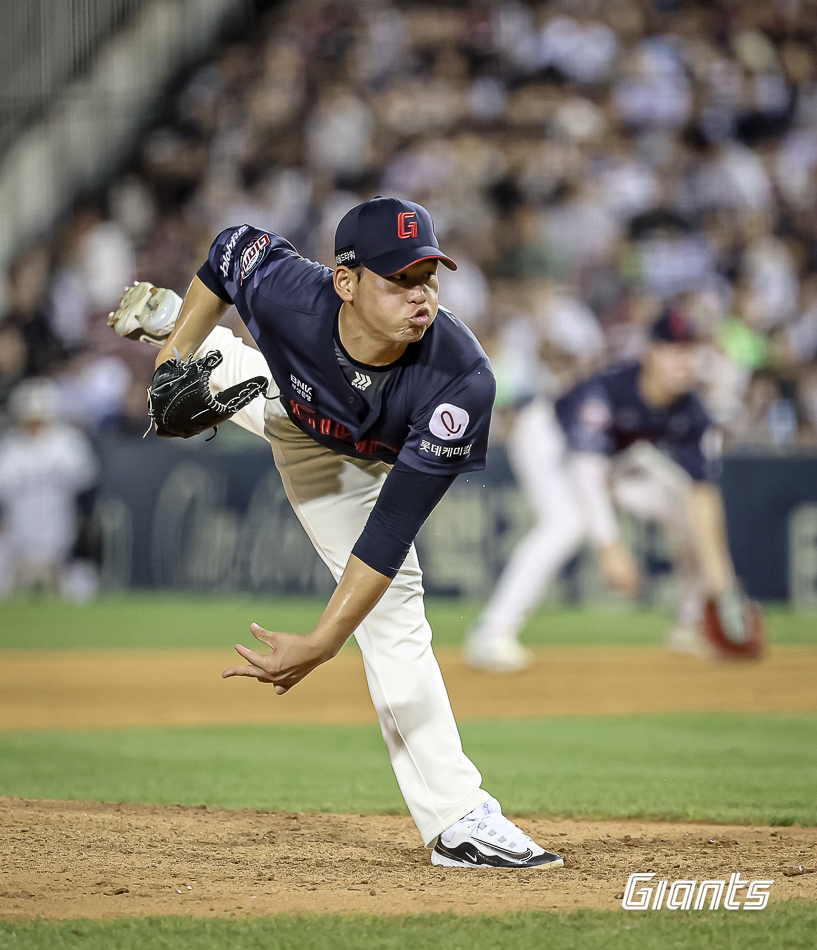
(734, 626)
(180, 401)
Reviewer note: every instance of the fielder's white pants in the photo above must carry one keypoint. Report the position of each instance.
(332, 496)
(643, 481)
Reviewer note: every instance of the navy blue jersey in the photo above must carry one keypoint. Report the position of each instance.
(432, 412)
(606, 414)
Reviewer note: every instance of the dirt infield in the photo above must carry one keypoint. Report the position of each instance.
(119, 688)
(75, 859)
(79, 859)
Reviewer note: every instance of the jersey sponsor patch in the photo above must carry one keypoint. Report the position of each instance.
(252, 255)
(445, 451)
(449, 421)
(304, 390)
(229, 247)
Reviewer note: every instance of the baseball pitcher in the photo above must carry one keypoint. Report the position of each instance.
(376, 399)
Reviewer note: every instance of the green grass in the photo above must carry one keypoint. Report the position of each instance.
(742, 768)
(785, 926)
(168, 620)
(758, 769)
(149, 621)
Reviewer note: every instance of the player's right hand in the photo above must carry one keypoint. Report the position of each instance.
(619, 568)
(291, 658)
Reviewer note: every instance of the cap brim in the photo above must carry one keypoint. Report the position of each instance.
(392, 263)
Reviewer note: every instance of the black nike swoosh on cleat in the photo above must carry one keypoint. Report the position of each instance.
(525, 856)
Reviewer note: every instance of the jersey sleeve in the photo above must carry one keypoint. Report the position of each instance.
(586, 417)
(699, 451)
(406, 500)
(238, 256)
(448, 433)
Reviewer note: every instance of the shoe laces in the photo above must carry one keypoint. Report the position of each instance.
(498, 828)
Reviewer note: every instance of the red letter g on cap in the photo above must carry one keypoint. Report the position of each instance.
(406, 226)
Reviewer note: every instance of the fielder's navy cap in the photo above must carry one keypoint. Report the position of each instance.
(673, 326)
(387, 235)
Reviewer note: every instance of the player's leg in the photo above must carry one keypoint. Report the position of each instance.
(651, 486)
(535, 450)
(239, 362)
(332, 497)
(148, 314)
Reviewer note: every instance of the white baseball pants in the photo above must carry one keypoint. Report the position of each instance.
(644, 482)
(332, 496)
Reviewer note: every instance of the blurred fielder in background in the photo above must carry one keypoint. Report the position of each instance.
(638, 436)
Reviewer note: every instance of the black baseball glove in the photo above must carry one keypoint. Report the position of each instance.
(180, 401)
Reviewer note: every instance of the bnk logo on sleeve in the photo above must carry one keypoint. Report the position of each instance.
(449, 422)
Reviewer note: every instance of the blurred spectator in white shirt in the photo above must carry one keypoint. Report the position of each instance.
(628, 185)
(339, 134)
(734, 178)
(802, 331)
(567, 323)
(93, 389)
(653, 90)
(770, 272)
(465, 291)
(580, 229)
(44, 466)
(581, 48)
(766, 417)
(97, 264)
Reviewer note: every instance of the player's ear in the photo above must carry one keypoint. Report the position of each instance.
(346, 281)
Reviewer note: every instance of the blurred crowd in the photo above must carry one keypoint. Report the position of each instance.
(585, 162)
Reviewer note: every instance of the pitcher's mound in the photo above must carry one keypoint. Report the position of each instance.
(86, 859)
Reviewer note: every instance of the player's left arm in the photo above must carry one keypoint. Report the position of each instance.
(448, 435)
(292, 657)
(699, 455)
(201, 312)
(405, 501)
(708, 529)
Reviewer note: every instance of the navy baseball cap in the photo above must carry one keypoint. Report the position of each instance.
(673, 326)
(387, 235)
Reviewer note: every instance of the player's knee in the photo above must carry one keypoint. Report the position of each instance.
(572, 525)
(563, 532)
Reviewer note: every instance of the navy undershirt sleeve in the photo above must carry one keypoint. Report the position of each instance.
(211, 281)
(406, 499)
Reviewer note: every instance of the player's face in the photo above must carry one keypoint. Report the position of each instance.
(401, 307)
(671, 367)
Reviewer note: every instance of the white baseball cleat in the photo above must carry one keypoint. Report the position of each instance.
(496, 654)
(485, 838)
(146, 313)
